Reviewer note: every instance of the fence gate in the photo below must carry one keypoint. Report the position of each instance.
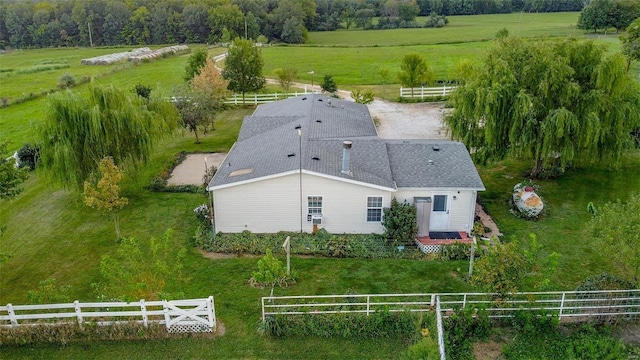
(183, 316)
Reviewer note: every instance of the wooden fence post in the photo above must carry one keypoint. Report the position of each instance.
(12, 315)
(145, 318)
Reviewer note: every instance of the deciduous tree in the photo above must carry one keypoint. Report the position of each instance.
(195, 62)
(286, 77)
(243, 67)
(105, 197)
(631, 43)
(78, 132)
(139, 272)
(414, 71)
(556, 102)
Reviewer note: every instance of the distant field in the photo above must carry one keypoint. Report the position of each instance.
(359, 65)
(460, 29)
(20, 75)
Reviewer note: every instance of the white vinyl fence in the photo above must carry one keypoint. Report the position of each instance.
(179, 316)
(425, 92)
(567, 304)
(255, 99)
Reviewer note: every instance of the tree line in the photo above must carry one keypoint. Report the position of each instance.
(55, 23)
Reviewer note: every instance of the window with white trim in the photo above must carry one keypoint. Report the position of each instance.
(374, 208)
(314, 205)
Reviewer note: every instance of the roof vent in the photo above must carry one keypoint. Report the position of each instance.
(346, 157)
(315, 158)
(320, 100)
(291, 154)
(435, 148)
(304, 98)
(319, 121)
(430, 162)
(298, 127)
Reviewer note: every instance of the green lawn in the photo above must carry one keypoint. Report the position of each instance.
(460, 29)
(348, 67)
(16, 83)
(566, 199)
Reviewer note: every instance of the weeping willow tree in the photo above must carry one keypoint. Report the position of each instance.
(79, 131)
(555, 102)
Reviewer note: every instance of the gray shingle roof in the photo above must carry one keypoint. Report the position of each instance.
(268, 144)
(432, 163)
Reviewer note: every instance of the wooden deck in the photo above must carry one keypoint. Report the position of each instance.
(464, 239)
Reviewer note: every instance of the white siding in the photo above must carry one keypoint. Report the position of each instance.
(273, 205)
(461, 210)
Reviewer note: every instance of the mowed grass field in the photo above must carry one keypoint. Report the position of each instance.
(50, 233)
(460, 29)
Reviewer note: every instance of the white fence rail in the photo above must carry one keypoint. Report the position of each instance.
(568, 304)
(255, 99)
(425, 92)
(192, 315)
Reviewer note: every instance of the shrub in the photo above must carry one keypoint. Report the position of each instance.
(270, 273)
(29, 156)
(362, 96)
(399, 222)
(380, 324)
(461, 328)
(328, 84)
(338, 246)
(364, 246)
(425, 349)
(66, 81)
(142, 91)
(49, 292)
(65, 333)
(458, 251)
(604, 281)
(532, 322)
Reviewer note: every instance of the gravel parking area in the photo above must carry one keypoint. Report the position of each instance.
(409, 121)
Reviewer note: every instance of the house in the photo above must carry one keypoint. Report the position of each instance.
(316, 160)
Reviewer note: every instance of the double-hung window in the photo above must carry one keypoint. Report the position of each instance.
(374, 208)
(314, 205)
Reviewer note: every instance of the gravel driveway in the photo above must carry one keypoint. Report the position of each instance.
(409, 121)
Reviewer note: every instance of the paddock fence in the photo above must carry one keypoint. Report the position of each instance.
(255, 99)
(179, 316)
(426, 92)
(567, 305)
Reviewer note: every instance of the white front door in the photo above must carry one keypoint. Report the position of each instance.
(440, 213)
